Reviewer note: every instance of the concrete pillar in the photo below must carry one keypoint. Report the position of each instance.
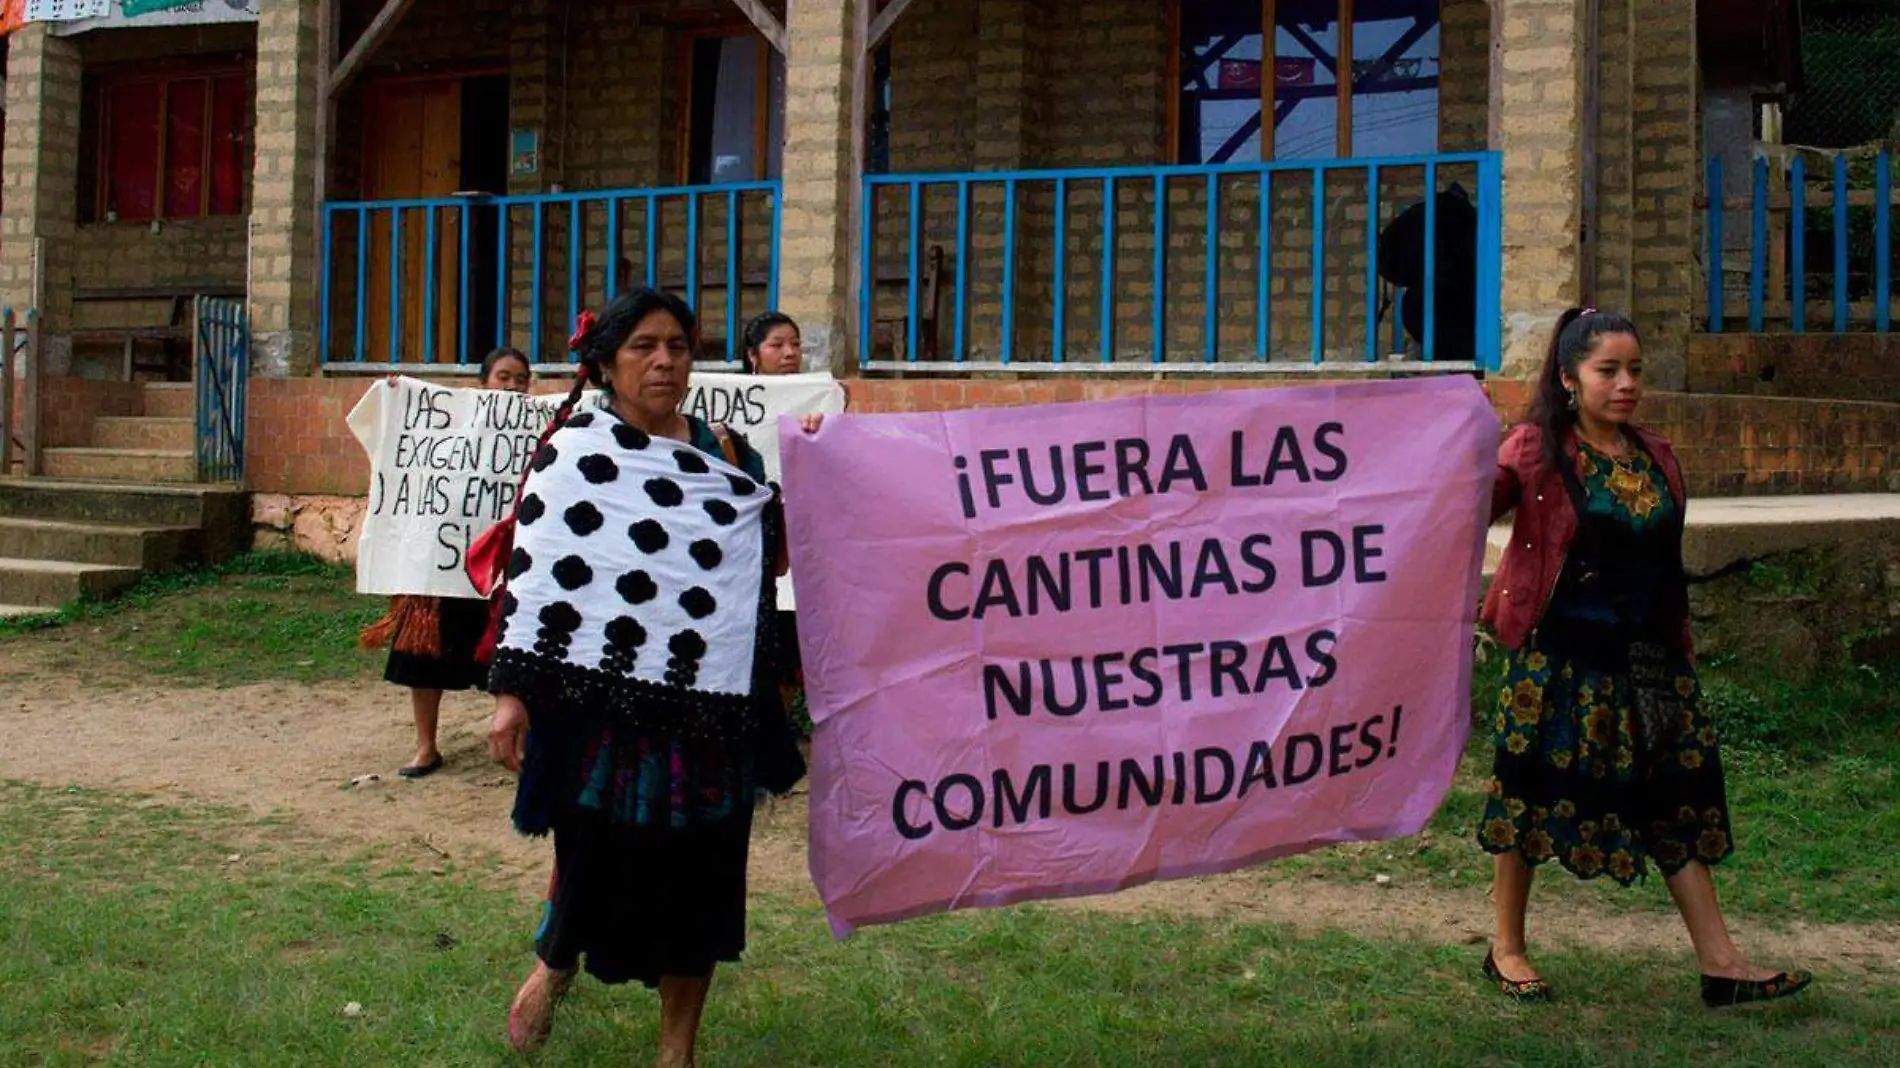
(42, 184)
(284, 219)
(1537, 122)
(1616, 154)
(1668, 170)
(821, 176)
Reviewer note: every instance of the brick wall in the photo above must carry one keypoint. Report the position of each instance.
(1829, 366)
(1729, 445)
(1666, 135)
(69, 405)
(41, 177)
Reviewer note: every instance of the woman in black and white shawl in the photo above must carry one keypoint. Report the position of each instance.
(634, 675)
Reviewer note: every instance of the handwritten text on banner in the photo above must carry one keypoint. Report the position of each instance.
(445, 463)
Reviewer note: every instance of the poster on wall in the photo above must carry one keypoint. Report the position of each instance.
(65, 10)
(141, 14)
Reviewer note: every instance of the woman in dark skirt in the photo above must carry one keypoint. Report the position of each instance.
(432, 640)
(632, 754)
(1607, 759)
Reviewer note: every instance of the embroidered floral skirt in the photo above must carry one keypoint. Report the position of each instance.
(1605, 762)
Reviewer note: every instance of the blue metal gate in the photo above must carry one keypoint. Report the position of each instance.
(223, 375)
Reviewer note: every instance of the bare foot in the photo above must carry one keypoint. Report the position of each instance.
(531, 1017)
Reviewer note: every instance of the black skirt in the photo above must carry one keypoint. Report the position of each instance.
(638, 904)
(464, 621)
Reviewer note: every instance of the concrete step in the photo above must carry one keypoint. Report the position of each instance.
(1722, 532)
(171, 400)
(53, 583)
(147, 433)
(221, 512)
(137, 466)
(22, 611)
(118, 544)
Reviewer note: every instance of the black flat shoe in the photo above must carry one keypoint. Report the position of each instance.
(1517, 990)
(1720, 993)
(421, 771)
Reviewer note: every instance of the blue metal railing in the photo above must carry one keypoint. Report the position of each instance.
(1850, 215)
(1242, 208)
(487, 264)
(223, 383)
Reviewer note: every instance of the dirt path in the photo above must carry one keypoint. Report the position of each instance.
(292, 751)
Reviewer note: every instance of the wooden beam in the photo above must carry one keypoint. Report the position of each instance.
(768, 23)
(1342, 74)
(886, 20)
(379, 30)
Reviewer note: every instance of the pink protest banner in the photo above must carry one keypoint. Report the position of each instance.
(1066, 650)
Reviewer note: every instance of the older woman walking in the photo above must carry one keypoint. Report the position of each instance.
(634, 676)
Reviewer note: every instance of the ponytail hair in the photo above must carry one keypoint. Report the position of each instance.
(1571, 343)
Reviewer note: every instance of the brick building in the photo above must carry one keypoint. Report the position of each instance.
(925, 184)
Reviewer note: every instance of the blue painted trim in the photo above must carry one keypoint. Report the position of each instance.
(1009, 271)
(1319, 265)
(1096, 174)
(502, 311)
(772, 263)
(652, 237)
(363, 238)
(732, 277)
(1798, 227)
(1490, 342)
(1263, 274)
(1430, 344)
(431, 299)
(1372, 261)
(573, 270)
(964, 252)
(1210, 325)
(1059, 327)
(867, 276)
(325, 284)
(1841, 308)
(396, 251)
(1109, 212)
(462, 354)
(614, 246)
(537, 284)
(692, 251)
(1161, 268)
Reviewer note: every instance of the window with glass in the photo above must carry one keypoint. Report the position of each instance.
(735, 109)
(1233, 74)
(169, 146)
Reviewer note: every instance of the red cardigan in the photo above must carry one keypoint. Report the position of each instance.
(1545, 526)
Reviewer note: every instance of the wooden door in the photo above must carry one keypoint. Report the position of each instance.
(413, 150)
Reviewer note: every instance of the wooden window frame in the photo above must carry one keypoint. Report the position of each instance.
(108, 80)
(689, 39)
(1269, 21)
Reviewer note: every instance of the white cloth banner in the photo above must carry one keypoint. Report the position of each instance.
(113, 14)
(446, 463)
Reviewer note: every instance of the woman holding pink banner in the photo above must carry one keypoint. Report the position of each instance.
(633, 674)
(1606, 756)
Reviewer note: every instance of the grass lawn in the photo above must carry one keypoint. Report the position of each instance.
(262, 617)
(141, 935)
